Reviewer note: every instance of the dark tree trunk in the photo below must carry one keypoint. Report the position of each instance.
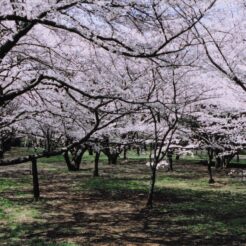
(96, 171)
(68, 162)
(211, 180)
(229, 159)
(210, 158)
(77, 155)
(125, 153)
(78, 158)
(170, 160)
(238, 159)
(138, 151)
(218, 163)
(114, 158)
(145, 147)
(149, 203)
(36, 192)
(177, 157)
(1, 154)
(223, 162)
(109, 159)
(90, 150)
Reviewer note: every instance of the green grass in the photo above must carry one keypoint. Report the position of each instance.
(184, 202)
(209, 213)
(114, 184)
(6, 184)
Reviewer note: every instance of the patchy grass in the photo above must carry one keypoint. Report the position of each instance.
(77, 209)
(114, 184)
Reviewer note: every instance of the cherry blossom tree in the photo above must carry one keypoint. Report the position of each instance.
(222, 37)
(220, 130)
(91, 67)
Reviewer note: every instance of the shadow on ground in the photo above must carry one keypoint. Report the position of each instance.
(76, 208)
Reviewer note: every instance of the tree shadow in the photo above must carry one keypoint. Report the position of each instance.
(112, 212)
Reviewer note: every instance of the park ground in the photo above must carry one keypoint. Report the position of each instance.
(77, 209)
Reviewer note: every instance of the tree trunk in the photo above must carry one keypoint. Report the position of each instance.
(218, 163)
(125, 153)
(78, 157)
(114, 158)
(36, 192)
(74, 165)
(229, 159)
(170, 160)
(96, 172)
(109, 159)
(1, 154)
(138, 151)
(149, 203)
(211, 180)
(145, 147)
(68, 162)
(90, 150)
(238, 159)
(223, 162)
(210, 158)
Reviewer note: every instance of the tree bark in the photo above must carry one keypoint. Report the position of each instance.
(138, 151)
(149, 203)
(218, 163)
(170, 163)
(96, 170)
(238, 159)
(78, 158)
(114, 158)
(36, 192)
(68, 162)
(125, 153)
(210, 158)
(90, 150)
(74, 165)
(1, 154)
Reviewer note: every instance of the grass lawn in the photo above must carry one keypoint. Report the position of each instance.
(77, 209)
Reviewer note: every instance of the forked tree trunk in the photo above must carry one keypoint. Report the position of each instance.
(74, 164)
(78, 158)
(96, 170)
(68, 162)
(113, 158)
